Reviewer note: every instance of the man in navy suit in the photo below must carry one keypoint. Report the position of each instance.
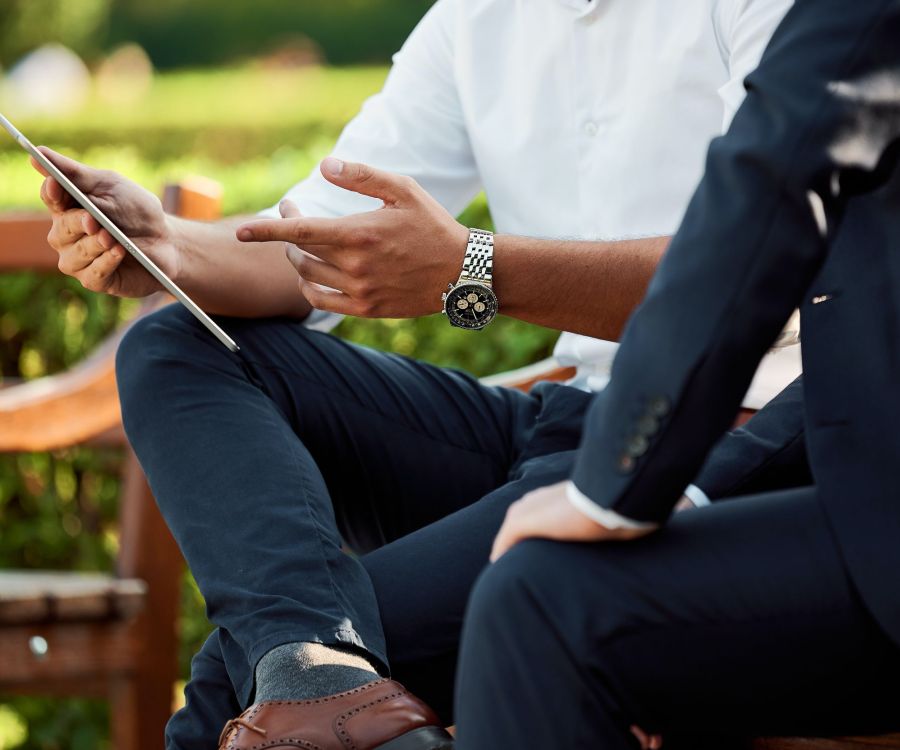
(779, 613)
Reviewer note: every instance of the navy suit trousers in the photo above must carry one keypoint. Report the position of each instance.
(736, 620)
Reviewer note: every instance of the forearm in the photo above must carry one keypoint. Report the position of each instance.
(228, 277)
(582, 287)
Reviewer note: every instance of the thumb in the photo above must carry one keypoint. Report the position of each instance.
(366, 180)
(85, 177)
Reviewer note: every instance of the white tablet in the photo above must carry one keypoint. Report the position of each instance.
(119, 236)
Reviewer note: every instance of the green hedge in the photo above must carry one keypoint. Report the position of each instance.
(203, 32)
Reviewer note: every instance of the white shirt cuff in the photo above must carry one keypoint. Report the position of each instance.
(607, 518)
(696, 496)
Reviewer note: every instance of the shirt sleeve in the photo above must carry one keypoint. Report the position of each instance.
(606, 518)
(415, 126)
(744, 28)
(696, 496)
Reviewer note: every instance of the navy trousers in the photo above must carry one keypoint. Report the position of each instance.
(735, 620)
(264, 462)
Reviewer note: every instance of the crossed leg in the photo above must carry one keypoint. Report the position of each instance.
(264, 462)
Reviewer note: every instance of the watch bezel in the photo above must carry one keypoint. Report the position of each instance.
(486, 289)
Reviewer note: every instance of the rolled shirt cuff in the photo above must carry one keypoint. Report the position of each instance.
(697, 496)
(607, 518)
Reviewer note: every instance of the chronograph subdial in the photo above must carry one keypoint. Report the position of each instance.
(471, 305)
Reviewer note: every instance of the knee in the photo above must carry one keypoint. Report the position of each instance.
(152, 345)
(545, 586)
(162, 333)
(509, 592)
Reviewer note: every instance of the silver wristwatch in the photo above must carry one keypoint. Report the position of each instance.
(471, 302)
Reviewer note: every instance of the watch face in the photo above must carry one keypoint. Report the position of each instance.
(471, 306)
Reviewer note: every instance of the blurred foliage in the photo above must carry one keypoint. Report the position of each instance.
(226, 116)
(59, 510)
(26, 24)
(186, 33)
(191, 32)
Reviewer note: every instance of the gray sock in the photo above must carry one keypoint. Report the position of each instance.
(301, 671)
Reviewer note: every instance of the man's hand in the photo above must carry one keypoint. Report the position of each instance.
(547, 514)
(86, 251)
(389, 263)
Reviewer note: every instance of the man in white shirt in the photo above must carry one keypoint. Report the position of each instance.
(586, 120)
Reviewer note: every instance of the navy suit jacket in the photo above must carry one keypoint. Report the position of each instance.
(799, 206)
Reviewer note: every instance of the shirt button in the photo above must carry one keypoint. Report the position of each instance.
(590, 129)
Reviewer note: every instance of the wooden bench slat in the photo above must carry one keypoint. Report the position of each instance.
(525, 377)
(40, 596)
(23, 242)
(70, 408)
(75, 652)
(875, 742)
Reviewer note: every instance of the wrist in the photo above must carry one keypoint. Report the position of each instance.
(172, 242)
(471, 302)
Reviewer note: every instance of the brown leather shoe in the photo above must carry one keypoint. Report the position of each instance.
(382, 715)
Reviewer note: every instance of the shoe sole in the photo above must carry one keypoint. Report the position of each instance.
(426, 738)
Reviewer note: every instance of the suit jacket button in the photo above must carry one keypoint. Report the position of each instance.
(659, 406)
(626, 464)
(648, 425)
(637, 446)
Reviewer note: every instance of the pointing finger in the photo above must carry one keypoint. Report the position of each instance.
(297, 231)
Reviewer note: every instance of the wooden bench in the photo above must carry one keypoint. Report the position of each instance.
(94, 635)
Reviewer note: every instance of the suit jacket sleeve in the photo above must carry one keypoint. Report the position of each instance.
(768, 452)
(820, 124)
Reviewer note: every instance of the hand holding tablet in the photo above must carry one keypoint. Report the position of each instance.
(113, 234)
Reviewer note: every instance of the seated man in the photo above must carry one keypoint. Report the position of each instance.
(780, 613)
(579, 118)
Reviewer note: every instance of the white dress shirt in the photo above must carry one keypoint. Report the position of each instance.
(580, 120)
